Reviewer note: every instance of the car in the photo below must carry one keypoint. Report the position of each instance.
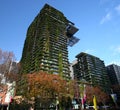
(105, 106)
(91, 107)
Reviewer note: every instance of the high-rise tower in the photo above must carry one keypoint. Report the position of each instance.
(91, 69)
(46, 43)
(114, 74)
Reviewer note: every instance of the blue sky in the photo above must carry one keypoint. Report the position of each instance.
(98, 22)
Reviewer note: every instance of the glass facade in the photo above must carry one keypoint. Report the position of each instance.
(114, 75)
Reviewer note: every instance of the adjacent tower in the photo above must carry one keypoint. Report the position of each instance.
(46, 43)
(91, 69)
(114, 75)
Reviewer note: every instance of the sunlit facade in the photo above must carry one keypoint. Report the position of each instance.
(114, 75)
(46, 44)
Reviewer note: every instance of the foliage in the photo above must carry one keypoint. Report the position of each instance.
(101, 96)
(7, 70)
(74, 89)
(45, 87)
(19, 106)
(116, 87)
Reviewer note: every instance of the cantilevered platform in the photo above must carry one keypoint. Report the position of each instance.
(71, 30)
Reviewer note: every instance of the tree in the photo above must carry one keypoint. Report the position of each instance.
(116, 88)
(6, 66)
(101, 96)
(8, 70)
(45, 87)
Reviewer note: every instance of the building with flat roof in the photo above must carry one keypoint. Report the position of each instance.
(46, 43)
(114, 75)
(91, 69)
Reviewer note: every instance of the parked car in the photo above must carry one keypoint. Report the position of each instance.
(105, 106)
(89, 107)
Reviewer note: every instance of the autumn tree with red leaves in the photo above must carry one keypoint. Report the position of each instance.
(101, 96)
(47, 87)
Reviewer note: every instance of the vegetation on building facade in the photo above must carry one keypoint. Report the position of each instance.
(45, 46)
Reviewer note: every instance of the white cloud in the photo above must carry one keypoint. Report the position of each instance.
(114, 62)
(89, 51)
(117, 8)
(117, 49)
(103, 1)
(115, 56)
(112, 13)
(106, 18)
